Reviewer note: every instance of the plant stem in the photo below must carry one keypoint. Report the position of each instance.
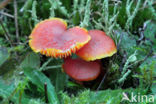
(45, 90)
(7, 36)
(124, 76)
(6, 14)
(16, 21)
(53, 67)
(45, 64)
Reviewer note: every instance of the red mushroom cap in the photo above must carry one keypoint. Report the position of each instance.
(100, 46)
(51, 38)
(81, 70)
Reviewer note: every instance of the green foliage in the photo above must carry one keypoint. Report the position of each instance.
(153, 89)
(12, 92)
(86, 19)
(147, 68)
(57, 5)
(108, 19)
(130, 23)
(100, 97)
(149, 33)
(4, 55)
(129, 14)
(151, 8)
(35, 101)
(59, 79)
(141, 16)
(2, 32)
(127, 43)
(5, 90)
(34, 15)
(37, 77)
(32, 60)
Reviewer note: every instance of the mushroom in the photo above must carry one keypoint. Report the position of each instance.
(51, 38)
(100, 46)
(81, 70)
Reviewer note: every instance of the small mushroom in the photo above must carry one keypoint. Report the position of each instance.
(100, 46)
(81, 70)
(51, 38)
